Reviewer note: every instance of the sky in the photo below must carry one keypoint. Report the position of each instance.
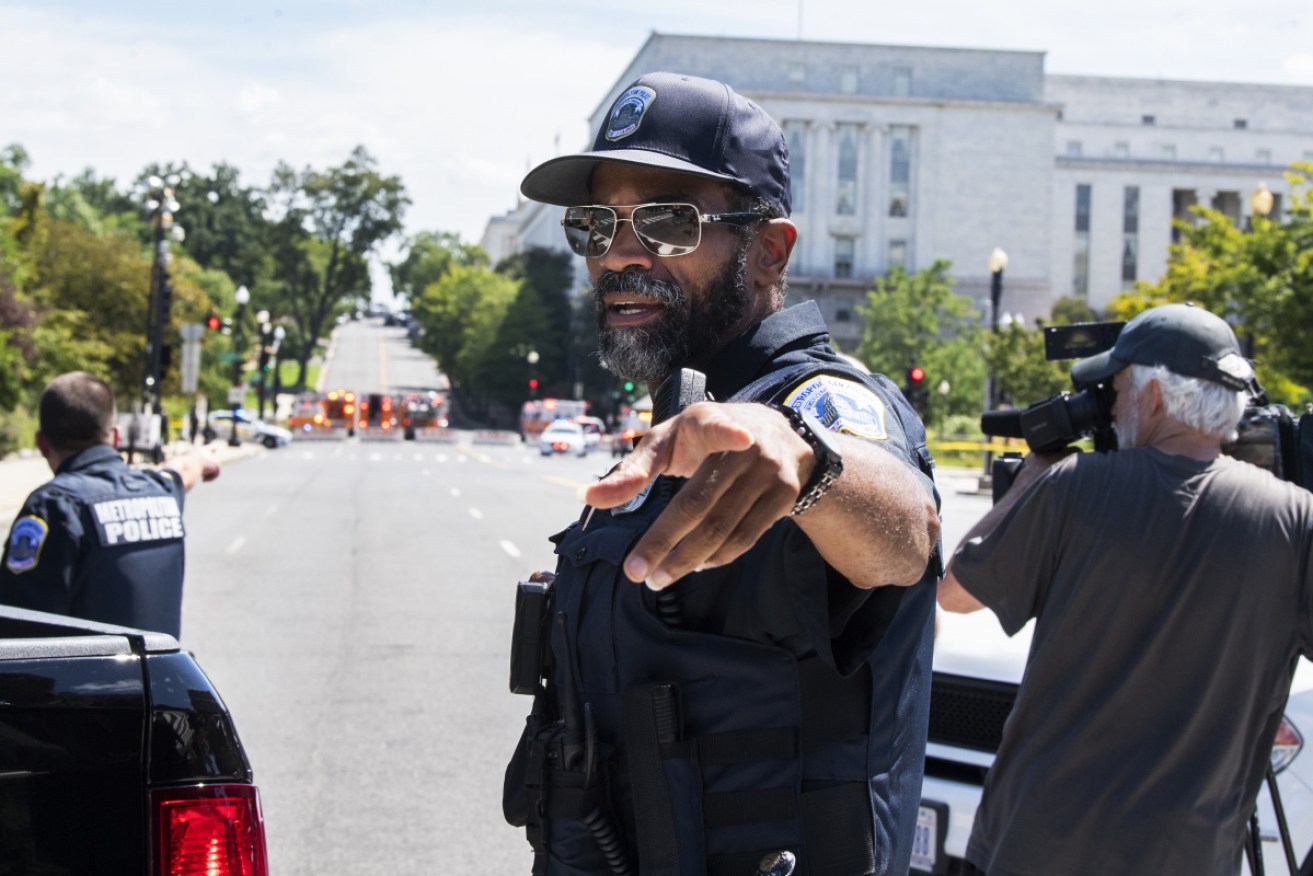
(459, 99)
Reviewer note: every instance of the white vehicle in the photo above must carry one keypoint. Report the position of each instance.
(976, 672)
(593, 428)
(563, 436)
(219, 426)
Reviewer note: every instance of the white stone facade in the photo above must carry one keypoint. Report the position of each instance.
(908, 155)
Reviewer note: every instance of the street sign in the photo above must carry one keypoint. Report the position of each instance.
(192, 331)
(230, 356)
(237, 394)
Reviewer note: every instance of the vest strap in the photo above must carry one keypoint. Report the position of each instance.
(738, 746)
(651, 717)
(733, 808)
(837, 822)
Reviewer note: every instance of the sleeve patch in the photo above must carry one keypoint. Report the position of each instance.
(25, 542)
(842, 405)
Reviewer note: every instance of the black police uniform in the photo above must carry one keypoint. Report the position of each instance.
(100, 541)
(762, 706)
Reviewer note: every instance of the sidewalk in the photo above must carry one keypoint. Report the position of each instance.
(20, 474)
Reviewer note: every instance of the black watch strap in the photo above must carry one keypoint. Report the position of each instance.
(829, 461)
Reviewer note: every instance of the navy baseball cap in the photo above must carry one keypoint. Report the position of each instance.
(679, 123)
(1188, 340)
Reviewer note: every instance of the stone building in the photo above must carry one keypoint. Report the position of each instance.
(902, 155)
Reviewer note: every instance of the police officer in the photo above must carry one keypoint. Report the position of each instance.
(742, 617)
(100, 541)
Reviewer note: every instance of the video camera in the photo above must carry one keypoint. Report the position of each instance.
(1269, 435)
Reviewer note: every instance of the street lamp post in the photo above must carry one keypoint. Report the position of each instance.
(279, 334)
(998, 260)
(1261, 201)
(243, 296)
(159, 206)
(262, 361)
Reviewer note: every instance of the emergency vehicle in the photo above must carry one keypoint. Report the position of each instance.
(537, 414)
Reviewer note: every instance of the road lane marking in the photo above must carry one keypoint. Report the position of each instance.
(510, 549)
(271, 510)
(425, 472)
(564, 482)
(441, 457)
(237, 544)
(455, 491)
(476, 513)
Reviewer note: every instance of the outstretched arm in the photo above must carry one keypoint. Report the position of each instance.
(745, 467)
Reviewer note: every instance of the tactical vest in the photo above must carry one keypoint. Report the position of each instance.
(728, 749)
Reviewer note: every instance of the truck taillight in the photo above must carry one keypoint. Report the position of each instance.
(209, 830)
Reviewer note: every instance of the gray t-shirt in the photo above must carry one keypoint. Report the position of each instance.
(1173, 600)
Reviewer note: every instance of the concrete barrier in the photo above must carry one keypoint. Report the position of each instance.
(494, 436)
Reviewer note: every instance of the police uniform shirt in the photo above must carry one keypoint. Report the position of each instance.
(100, 541)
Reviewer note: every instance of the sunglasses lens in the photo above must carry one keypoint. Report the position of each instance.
(668, 229)
(589, 230)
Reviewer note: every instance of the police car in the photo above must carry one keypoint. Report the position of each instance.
(219, 425)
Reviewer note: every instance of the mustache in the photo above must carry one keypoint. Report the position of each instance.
(638, 282)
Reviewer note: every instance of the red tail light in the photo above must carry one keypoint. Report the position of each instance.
(209, 830)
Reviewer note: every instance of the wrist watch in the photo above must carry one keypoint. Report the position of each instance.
(829, 461)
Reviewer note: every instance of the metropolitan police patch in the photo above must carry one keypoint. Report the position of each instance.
(25, 541)
(842, 406)
(627, 114)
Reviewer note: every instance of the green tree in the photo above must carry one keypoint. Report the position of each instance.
(918, 319)
(429, 256)
(345, 213)
(1259, 278)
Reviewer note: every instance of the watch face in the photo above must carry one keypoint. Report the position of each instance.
(824, 437)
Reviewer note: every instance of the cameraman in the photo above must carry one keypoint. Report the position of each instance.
(1171, 590)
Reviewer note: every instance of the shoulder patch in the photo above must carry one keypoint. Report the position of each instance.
(842, 406)
(25, 542)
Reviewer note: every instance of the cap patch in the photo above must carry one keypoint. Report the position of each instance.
(25, 542)
(841, 406)
(628, 112)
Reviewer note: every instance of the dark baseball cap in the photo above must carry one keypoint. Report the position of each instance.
(1188, 340)
(680, 123)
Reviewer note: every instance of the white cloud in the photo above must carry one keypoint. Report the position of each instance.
(1300, 67)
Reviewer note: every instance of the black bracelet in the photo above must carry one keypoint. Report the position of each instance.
(829, 461)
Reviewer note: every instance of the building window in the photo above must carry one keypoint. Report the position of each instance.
(1216, 154)
(1169, 151)
(843, 310)
(1182, 201)
(1073, 149)
(1121, 150)
(795, 134)
(902, 82)
(900, 170)
(848, 80)
(1148, 120)
(845, 203)
(1080, 267)
(897, 254)
(844, 248)
(1241, 124)
(1228, 204)
(798, 73)
(1130, 234)
(1264, 156)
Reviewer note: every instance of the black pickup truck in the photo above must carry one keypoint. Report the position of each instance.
(117, 756)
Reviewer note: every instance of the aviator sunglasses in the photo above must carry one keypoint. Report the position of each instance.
(663, 229)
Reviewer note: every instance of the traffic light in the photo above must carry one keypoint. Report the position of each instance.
(533, 386)
(213, 323)
(914, 388)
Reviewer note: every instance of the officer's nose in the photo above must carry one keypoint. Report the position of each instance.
(626, 251)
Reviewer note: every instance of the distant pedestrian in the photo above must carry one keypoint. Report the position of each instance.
(101, 540)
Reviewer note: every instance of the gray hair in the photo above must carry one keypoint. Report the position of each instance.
(1200, 404)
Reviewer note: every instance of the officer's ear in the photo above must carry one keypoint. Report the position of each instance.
(114, 437)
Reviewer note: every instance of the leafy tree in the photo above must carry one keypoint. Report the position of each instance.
(13, 162)
(226, 226)
(541, 317)
(429, 256)
(918, 319)
(1259, 278)
(346, 213)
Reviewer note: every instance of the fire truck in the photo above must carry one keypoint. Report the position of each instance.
(423, 410)
(377, 414)
(315, 414)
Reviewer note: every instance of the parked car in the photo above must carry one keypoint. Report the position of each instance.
(219, 425)
(977, 669)
(563, 436)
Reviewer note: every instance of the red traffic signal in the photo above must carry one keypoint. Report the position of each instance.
(533, 383)
(916, 374)
(213, 323)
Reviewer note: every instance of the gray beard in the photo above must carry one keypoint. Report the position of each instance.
(686, 334)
